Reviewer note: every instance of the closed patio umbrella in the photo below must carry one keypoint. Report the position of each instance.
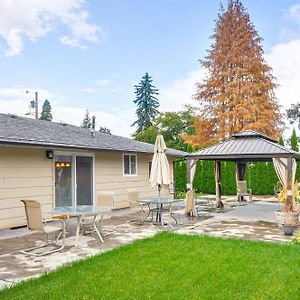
(160, 169)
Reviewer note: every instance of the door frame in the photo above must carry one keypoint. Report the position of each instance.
(74, 154)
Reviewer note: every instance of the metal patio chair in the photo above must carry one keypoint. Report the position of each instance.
(35, 222)
(104, 198)
(135, 205)
(243, 191)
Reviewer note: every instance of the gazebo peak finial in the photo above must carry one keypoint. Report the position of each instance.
(252, 133)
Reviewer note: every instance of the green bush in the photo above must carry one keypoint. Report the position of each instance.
(261, 177)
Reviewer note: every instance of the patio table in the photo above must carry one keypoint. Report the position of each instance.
(81, 212)
(159, 209)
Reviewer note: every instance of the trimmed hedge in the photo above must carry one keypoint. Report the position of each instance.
(261, 177)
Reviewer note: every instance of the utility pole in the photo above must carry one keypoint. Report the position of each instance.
(36, 97)
(35, 103)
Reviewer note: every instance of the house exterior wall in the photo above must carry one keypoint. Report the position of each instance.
(26, 173)
(109, 177)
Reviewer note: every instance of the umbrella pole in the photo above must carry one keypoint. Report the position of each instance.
(159, 188)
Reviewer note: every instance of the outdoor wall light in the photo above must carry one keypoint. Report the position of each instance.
(62, 164)
(49, 154)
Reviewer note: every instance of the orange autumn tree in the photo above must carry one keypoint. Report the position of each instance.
(238, 92)
(203, 133)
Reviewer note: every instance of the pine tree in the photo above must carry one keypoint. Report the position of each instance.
(189, 148)
(238, 93)
(281, 141)
(146, 102)
(105, 130)
(46, 111)
(293, 114)
(196, 147)
(294, 141)
(86, 122)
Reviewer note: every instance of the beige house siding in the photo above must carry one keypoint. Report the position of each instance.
(24, 174)
(109, 177)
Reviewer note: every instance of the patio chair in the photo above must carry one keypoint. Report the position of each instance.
(243, 191)
(135, 205)
(35, 222)
(104, 198)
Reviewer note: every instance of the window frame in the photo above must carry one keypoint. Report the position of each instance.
(136, 164)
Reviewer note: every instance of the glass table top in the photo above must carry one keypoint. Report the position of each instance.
(159, 200)
(81, 209)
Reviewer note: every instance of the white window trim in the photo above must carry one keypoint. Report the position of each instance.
(136, 164)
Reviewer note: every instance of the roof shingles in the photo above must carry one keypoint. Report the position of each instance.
(20, 130)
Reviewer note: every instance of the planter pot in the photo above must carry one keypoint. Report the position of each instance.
(288, 229)
(283, 217)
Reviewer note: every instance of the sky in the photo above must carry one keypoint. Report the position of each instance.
(89, 54)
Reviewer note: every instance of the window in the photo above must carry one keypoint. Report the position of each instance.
(149, 168)
(129, 164)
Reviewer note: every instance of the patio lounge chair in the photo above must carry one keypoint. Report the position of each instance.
(135, 205)
(35, 222)
(243, 191)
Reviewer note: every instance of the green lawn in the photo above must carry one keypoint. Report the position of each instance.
(172, 266)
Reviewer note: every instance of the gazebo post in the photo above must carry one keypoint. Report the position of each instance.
(188, 172)
(289, 198)
(217, 167)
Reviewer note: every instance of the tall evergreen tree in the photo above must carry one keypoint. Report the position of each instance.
(238, 93)
(293, 114)
(46, 111)
(86, 122)
(146, 102)
(294, 141)
(281, 141)
(105, 130)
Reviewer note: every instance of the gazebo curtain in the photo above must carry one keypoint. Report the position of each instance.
(192, 171)
(281, 168)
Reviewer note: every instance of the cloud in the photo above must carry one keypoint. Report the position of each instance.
(284, 58)
(15, 101)
(180, 92)
(285, 61)
(103, 82)
(294, 11)
(33, 19)
(88, 90)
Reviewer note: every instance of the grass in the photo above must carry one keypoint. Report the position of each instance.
(172, 266)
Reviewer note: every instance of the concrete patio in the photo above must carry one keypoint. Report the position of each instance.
(254, 221)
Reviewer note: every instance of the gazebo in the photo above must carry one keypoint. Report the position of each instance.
(244, 147)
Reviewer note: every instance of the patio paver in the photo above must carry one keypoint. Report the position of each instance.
(254, 221)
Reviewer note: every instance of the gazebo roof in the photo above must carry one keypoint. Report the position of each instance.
(245, 146)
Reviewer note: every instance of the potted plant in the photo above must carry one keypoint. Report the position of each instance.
(288, 217)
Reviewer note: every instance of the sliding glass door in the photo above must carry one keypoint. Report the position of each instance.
(84, 180)
(73, 180)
